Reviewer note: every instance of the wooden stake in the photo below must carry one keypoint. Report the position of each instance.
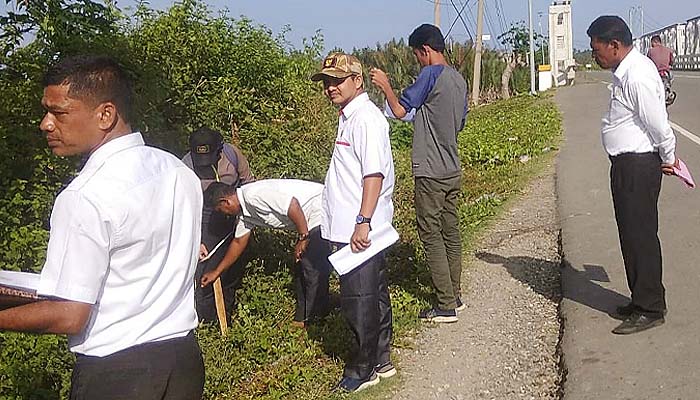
(220, 307)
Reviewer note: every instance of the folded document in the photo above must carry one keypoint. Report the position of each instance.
(20, 280)
(344, 260)
(683, 173)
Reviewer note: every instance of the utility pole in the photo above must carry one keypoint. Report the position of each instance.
(532, 49)
(436, 12)
(539, 14)
(476, 82)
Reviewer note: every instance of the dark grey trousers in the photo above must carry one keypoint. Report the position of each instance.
(167, 370)
(635, 182)
(366, 307)
(438, 229)
(311, 279)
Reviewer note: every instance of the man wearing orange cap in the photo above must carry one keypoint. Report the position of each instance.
(356, 196)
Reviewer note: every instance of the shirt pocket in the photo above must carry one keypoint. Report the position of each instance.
(619, 105)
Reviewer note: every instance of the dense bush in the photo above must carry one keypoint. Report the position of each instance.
(193, 68)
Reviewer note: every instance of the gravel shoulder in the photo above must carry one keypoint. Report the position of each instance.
(505, 345)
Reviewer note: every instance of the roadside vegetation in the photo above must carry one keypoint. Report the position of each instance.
(193, 68)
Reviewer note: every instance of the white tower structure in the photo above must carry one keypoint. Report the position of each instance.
(561, 43)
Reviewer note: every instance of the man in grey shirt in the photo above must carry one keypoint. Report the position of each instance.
(437, 105)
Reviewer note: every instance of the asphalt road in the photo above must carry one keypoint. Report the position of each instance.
(661, 363)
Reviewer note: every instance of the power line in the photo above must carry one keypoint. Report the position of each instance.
(459, 16)
(489, 21)
(437, 2)
(499, 15)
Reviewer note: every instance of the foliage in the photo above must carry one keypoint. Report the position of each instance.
(193, 68)
(397, 60)
(518, 38)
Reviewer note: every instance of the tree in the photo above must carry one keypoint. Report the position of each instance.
(517, 38)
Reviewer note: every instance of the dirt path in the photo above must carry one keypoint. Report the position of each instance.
(505, 343)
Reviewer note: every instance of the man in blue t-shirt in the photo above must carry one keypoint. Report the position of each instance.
(437, 105)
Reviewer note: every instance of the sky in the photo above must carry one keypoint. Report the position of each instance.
(362, 23)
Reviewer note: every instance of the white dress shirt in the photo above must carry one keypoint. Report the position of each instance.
(266, 203)
(125, 238)
(362, 148)
(637, 121)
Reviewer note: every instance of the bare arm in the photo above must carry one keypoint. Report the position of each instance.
(371, 188)
(296, 214)
(380, 79)
(49, 316)
(233, 252)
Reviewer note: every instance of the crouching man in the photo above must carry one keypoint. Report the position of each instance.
(279, 204)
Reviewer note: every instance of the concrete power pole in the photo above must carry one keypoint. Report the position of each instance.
(532, 49)
(476, 82)
(436, 13)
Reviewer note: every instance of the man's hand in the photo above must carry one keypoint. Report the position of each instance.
(380, 79)
(203, 252)
(300, 249)
(668, 168)
(359, 240)
(209, 277)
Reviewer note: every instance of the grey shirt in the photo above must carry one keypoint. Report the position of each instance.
(439, 98)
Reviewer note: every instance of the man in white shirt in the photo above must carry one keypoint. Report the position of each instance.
(288, 204)
(640, 142)
(357, 195)
(123, 246)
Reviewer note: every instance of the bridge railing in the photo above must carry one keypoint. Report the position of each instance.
(687, 63)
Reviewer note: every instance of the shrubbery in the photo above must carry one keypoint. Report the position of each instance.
(193, 68)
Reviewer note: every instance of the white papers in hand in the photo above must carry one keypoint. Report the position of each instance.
(20, 280)
(218, 245)
(344, 260)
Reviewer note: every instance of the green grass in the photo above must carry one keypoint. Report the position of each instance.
(263, 357)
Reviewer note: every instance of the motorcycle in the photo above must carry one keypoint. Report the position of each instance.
(667, 79)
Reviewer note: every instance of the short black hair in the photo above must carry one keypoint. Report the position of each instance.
(216, 192)
(428, 35)
(608, 28)
(94, 80)
(656, 38)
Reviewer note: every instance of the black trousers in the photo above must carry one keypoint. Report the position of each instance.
(365, 305)
(231, 280)
(171, 369)
(311, 279)
(635, 181)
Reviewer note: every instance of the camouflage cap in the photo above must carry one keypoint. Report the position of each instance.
(338, 65)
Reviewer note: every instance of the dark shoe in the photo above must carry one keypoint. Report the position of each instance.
(460, 306)
(352, 385)
(437, 315)
(625, 311)
(637, 323)
(385, 370)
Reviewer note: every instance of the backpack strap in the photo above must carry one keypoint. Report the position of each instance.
(231, 155)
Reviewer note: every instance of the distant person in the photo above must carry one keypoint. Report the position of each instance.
(215, 161)
(279, 204)
(638, 138)
(123, 246)
(661, 55)
(356, 197)
(437, 105)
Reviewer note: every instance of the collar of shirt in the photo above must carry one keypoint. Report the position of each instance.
(354, 105)
(241, 201)
(626, 63)
(112, 147)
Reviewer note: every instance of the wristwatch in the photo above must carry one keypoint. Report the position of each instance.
(361, 219)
